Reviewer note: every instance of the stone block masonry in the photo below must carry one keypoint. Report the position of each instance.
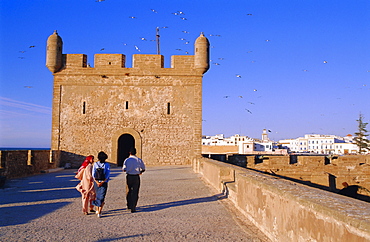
(329, 172)
(110, 108)
(285, 210)
(21, 163)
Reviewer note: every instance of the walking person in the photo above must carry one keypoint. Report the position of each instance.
(86, 186)
(101, 173)
(134, 167)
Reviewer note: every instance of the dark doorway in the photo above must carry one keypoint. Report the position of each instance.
(125, 142)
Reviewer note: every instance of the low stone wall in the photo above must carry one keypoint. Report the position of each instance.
(330, 172)
(21, 163)
(285, 210)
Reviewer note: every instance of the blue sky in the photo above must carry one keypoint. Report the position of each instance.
(304, 65)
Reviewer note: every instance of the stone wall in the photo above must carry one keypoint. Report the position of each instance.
(330, 171)
(285, 210)
(21, 163)
(160, 107)
(225, 149)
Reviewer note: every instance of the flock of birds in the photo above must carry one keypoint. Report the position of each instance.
(181, 15)
(24, 51)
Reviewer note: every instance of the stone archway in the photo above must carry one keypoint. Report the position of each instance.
(125, 143)
(122, 141)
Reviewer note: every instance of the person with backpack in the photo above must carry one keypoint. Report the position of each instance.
(101, 174)
(134, 167)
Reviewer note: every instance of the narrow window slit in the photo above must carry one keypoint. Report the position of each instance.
(84, 108)
(126, 104)
(168, 108)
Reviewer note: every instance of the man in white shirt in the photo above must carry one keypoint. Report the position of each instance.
(134, 167)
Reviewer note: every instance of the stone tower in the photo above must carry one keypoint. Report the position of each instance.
(111, 108)
(265, 137)
(54, 56)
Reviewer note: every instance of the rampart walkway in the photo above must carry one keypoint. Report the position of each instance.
(174, 205)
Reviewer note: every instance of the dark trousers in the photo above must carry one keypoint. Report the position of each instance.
(132, 190)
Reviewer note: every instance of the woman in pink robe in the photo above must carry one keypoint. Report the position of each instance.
(86, 186)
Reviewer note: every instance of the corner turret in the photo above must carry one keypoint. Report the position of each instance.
(54, 56)
(201, 53)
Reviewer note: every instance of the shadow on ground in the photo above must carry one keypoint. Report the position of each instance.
(25, 199)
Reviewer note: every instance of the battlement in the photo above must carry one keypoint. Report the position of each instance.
(139, 61)
(75, 60)
(147, 61)
(182, 61)
(110, 60)
(58, 62)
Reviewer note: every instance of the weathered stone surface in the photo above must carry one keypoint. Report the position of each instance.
(174, 205)
(285, 210)
(161, 108)
(321, 170)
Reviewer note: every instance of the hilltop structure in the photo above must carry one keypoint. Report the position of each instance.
(111, 108)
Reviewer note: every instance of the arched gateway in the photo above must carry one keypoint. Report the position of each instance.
(122, 141)
(125, 143)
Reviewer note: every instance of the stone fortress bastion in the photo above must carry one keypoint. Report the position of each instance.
(110, 108)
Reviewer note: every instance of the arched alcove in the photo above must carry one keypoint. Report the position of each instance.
(125, 143)
(122, 141)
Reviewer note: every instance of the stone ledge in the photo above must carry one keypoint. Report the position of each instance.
(287, 211)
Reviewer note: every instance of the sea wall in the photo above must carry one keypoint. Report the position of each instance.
(285, 210)
(21, 163)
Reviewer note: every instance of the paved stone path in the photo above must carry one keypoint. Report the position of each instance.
(174, 205)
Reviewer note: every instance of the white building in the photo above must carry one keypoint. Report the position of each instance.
(250, 147)
(220, 140)
(245, 144)
(345, 148)
(320, 144)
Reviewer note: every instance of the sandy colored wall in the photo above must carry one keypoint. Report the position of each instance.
(94, 106)
(21, 163)
(288, 211)
(326, 171)
(209, 149)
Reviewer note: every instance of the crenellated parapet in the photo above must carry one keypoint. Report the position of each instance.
(118, 61)
(59, 63)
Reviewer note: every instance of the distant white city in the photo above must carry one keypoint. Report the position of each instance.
(310, 143)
